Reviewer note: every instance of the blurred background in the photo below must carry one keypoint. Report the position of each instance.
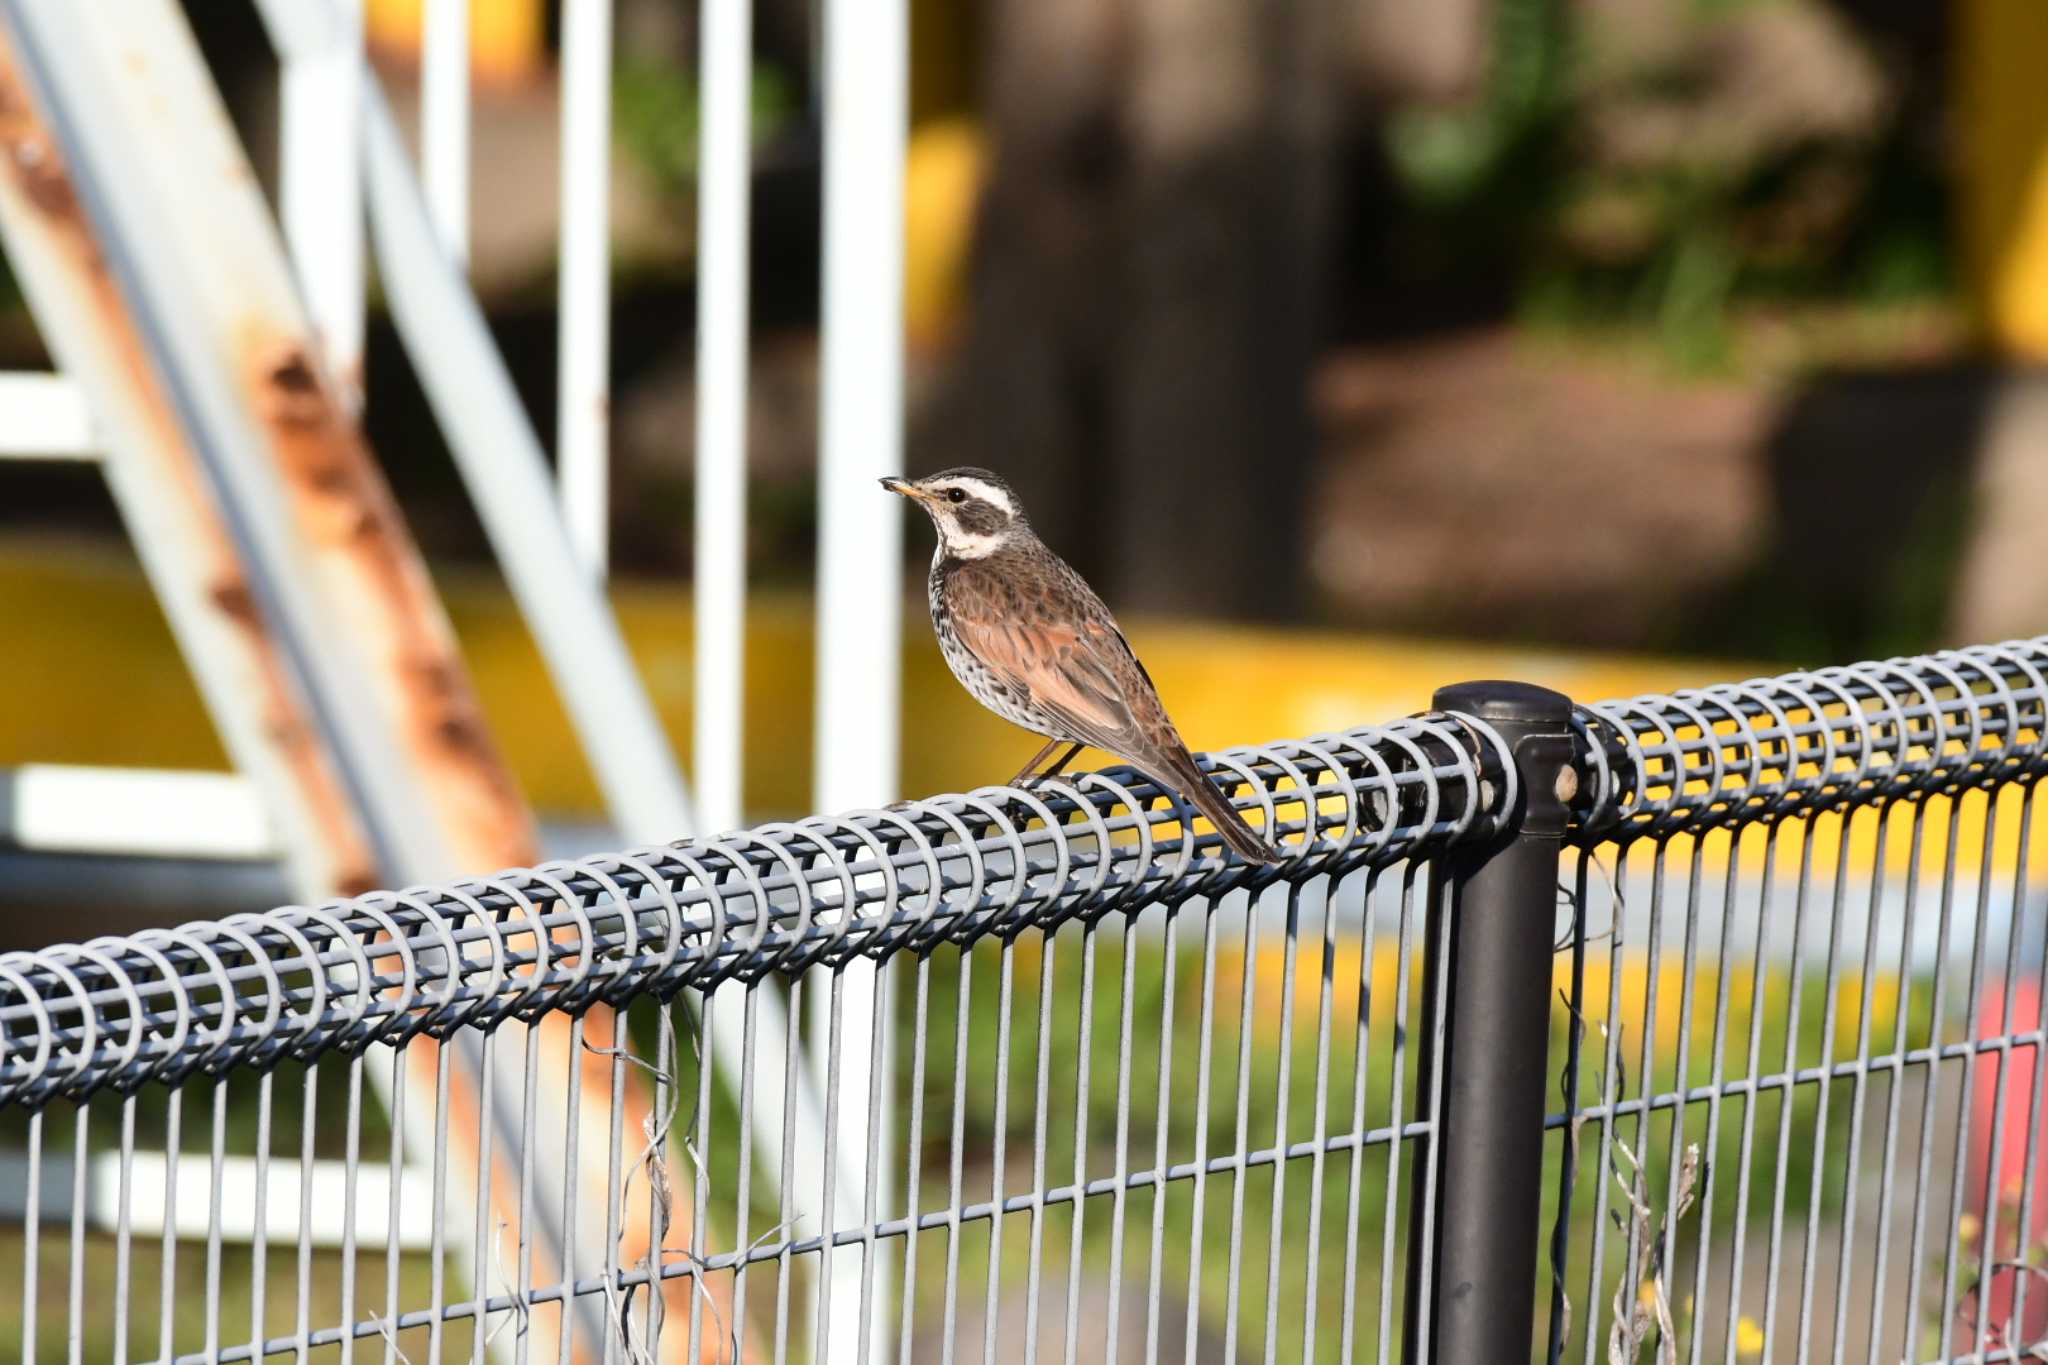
(1348, 346)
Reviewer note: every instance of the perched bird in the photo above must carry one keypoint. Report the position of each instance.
(1034, 644)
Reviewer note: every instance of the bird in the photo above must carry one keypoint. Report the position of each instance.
(1031, 641)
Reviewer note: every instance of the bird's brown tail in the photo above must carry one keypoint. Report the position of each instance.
(1195, 785)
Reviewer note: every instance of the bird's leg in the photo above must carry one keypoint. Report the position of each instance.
(1032, 767)
(1057, 768)
(1031, 777)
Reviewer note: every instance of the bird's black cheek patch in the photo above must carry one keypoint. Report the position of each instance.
(979, 519)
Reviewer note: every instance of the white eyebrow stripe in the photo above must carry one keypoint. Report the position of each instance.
(984, 490)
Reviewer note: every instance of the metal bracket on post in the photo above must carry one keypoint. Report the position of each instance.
(1472, 1287)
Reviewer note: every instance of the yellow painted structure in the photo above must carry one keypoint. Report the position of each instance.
(508, 38)
(942, 178)
(96, 678)
(2001, 104)
(1882, 997)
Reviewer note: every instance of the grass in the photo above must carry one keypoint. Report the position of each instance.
(99, 1330)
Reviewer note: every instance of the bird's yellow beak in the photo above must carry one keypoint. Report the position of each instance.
(903, 487)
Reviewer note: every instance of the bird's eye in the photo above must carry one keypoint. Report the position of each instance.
(956, 495)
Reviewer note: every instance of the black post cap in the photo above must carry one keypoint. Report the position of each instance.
(1494, 700)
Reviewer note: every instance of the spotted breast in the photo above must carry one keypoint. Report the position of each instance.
(1011, 703)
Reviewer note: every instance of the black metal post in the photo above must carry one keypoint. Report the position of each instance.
(1495, 970)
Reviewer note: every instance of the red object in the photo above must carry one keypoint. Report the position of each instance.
(2013, 1158)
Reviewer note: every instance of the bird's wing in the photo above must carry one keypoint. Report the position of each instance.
(1078, 668)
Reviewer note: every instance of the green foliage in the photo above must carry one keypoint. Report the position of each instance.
(656, 112)
(1452, 157)
(1482, 178)
(1587, 183)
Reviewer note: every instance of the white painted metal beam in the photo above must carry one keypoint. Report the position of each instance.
(860, 544)
(723, 180)
(505, 470)
(191, 1181)
(860, 550)
(135, 812)
(45, 417)
(204, 571)
(192, 247)
(719, 581)
(444, 122)
(321, 184)
(583, 419)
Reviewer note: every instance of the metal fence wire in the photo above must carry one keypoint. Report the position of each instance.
(1703, 1027)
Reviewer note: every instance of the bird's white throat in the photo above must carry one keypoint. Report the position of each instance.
(955, 543)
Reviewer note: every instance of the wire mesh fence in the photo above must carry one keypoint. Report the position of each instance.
(1799, 1114)
(1135, 1100)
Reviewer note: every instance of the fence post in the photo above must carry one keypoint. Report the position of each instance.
(1479, 1307)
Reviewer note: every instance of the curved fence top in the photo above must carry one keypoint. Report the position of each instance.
(299, 981)
(1773, 748)
(249, 990)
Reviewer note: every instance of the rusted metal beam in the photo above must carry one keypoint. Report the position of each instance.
(177, 300)
(181, 535)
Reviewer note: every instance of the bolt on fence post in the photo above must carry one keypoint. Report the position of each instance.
(1495, 970)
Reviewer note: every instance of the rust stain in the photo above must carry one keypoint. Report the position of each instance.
(32, 162)
(432, 675)
(235, 601)
(293, 374)
(292, 390)
(32, 159)
(345, 510)
(347, 513)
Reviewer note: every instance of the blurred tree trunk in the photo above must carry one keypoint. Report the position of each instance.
(1152, 249)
